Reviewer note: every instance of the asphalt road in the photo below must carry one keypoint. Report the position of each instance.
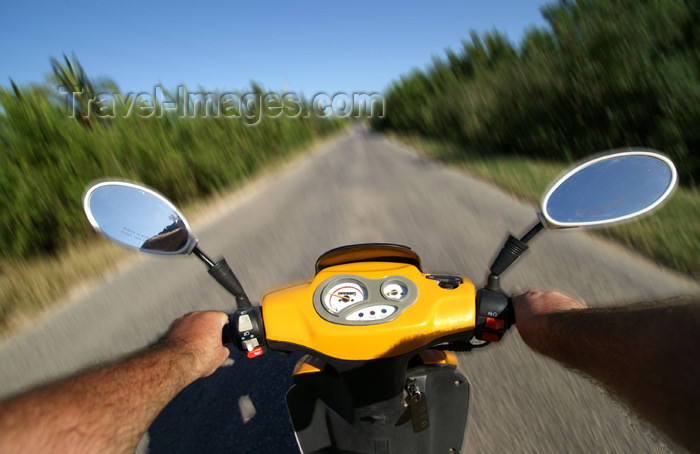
(360, 188)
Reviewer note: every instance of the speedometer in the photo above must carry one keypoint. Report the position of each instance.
(343, 294)
(348, 299)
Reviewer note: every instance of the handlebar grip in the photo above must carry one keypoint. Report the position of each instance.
(227, 334)
(510, 314)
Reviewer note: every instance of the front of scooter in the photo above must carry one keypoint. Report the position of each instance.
(378, 331)
(369, 381)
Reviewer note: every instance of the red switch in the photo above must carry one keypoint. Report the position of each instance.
(495, 323)
(491, 337)
(257, 351)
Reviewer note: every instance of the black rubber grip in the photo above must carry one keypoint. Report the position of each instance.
(227, 334)
(224, 276)
(510, 314)
(509, 254)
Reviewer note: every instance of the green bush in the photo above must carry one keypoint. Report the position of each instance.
(48, 158)
(604, 74)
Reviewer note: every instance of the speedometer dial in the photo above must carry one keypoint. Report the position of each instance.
(344, 294)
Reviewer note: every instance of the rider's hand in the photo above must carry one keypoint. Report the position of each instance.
(198, 336)
(531, 312)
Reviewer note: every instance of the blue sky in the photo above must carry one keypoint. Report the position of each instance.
(310, 45)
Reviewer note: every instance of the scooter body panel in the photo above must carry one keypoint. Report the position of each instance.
(327, 420)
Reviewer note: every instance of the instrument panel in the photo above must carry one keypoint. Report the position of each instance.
(348, 299)
(296, 318)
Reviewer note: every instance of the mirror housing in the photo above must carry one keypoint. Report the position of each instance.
(138, 217)
(609, 189)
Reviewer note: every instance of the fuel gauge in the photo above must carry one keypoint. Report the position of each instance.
(394, 290)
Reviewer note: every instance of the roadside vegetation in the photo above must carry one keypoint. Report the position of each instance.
(48, 157)
(602, 75)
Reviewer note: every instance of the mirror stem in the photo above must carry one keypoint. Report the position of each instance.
(203, 257)
(513, 249)
(533, 231)
(224, 276)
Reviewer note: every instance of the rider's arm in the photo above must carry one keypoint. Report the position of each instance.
(648, 354)
(109, 409)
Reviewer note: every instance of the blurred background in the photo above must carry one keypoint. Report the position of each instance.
(511, 91)
(516, 89)
(53, 142)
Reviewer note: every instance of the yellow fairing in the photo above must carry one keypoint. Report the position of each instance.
(289, 316)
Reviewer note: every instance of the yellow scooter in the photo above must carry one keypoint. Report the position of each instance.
(380, 374)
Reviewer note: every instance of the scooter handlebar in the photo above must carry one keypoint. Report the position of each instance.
(494, 314)
(245, 330)
(227, 333)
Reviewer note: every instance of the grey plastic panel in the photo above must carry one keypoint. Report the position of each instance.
(375, 298)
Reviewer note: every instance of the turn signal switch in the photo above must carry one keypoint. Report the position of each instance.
(246, 332)
(494, 315)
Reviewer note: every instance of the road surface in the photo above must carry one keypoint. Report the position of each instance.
(359, 188)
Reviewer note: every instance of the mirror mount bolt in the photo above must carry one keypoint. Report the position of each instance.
(543, 221)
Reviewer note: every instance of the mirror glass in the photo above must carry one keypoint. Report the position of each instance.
(137, 217)
(609, 189)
